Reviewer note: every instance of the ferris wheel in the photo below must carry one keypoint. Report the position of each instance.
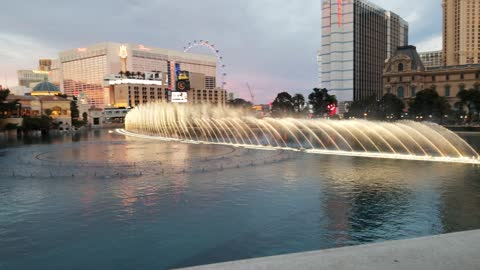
(220, 64)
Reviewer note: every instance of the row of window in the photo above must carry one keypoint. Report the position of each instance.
(434, 78)
(447, 90)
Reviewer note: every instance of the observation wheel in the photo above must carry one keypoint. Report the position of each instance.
(221, 67)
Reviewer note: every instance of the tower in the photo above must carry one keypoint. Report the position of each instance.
(461, 32)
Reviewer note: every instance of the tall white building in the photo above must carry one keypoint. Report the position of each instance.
(357, 38)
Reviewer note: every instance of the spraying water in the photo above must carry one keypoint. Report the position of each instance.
(218, 125)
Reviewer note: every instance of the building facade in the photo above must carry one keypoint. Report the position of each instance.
(357, 38)
(216, 96)
(84, 69)
(405, 75)
(461, 32)
(55, 73)
(432, 58)
(125, 92)
(56, 107)
(30, 78)
(45, 64)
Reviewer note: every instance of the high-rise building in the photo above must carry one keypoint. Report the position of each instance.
(432, 58)
(461, 32)
(30, 78)
(55, 74)
(84, 69)
(357, 38)
(45, 64)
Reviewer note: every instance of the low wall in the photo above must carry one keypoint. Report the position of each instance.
(445, 252)
(5, 121)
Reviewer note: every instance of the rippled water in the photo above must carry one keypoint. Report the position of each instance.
(103, 201)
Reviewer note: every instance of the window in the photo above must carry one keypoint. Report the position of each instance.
(462, 76)
(414, 91)
(447, 91)
(433, 78)
(448, 77)
(400, 67)
(400, 92)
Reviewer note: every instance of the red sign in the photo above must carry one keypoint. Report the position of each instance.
(332, 109)
(339, 12)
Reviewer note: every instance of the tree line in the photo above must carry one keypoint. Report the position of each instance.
(319, 104)
(426, 105)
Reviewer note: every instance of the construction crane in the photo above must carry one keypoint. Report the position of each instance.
(251, 94)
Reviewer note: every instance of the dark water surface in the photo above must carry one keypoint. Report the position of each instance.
(103, 201)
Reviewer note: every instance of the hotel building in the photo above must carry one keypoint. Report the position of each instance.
(30, 78)
(83, 70)
(405, 75)
(432, 58)
(357, 38)
(130, 92)
(461, 32)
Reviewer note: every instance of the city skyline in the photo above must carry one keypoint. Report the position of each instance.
(254, 51)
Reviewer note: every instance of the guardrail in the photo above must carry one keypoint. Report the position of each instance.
(445, 252)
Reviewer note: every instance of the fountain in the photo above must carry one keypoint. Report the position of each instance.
(218, 125)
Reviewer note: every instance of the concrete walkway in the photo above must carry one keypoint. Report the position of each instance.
(445, 252)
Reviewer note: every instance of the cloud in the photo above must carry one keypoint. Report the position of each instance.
(20, 52)
(433, 43)
(271, 44)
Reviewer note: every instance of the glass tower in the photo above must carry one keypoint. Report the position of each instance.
(357, 38)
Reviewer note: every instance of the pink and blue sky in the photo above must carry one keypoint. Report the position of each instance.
(271, 44)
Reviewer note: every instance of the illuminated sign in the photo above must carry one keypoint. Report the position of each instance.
(179, 97)
(123, 52)
(172, 81)
(339, 11)
(332, 109)
(133, 81)
(177, 69)
(183, 75)
(183, 85)
(41, 72)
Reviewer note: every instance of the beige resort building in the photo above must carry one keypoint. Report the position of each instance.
(405, 74)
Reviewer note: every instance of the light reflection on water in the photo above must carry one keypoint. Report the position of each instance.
(305, 202)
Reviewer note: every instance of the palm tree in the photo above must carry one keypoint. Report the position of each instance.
(298, 102)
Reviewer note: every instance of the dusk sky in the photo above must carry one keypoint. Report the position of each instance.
(271, 44)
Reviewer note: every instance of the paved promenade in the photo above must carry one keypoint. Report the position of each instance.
(445, 252)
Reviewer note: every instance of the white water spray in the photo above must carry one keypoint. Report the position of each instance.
(218, 125)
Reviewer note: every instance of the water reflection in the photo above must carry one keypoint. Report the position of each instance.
(163, 221)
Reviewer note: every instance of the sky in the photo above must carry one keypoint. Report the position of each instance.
(270, 44)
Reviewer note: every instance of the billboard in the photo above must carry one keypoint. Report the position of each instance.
(183, 86)
(183, 75)
(183, 80)
(179, 97)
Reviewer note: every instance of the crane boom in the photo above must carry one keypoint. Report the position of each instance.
(251, 94)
